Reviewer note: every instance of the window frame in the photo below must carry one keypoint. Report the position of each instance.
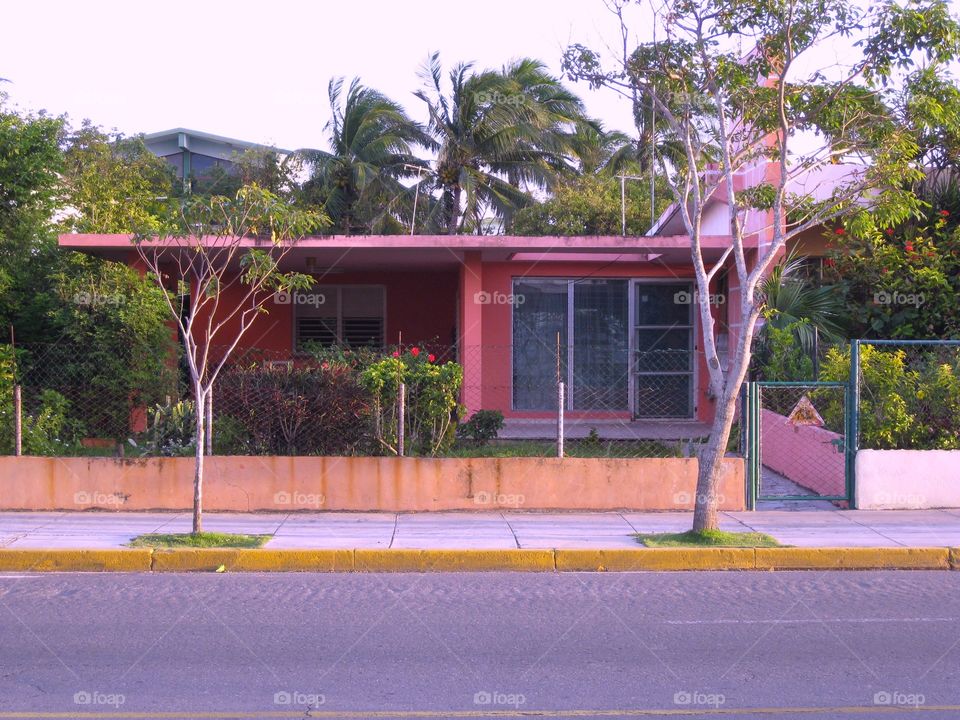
(339, 287)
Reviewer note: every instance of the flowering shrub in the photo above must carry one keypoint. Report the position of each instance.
(431, 400)
(902, 282)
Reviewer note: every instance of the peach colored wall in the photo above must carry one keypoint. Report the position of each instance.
(363, 483)
(805, 454)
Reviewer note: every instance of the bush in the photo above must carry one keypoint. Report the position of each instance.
(906, 401)
(291, 411)
(482, 427)
(781, 356)
(431, 401)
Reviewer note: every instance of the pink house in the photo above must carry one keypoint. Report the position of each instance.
(623, 309)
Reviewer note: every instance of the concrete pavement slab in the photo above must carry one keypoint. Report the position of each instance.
(454, 530)
(335, 530)
(565, 530)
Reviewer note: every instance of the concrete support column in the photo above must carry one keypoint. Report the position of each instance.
(472, 301)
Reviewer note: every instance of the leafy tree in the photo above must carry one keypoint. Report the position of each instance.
(499, 133)
(265, 167)
(708, 96)
(113, 184)
(30, 167)
(357, 181)
(113, 351)
(212, 246)
(590, 205)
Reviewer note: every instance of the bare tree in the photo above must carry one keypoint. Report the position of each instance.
(223, 257)
(759, 132)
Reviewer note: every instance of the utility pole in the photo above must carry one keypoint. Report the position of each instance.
(623, 200)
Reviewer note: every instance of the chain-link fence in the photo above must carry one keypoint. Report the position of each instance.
(342, 401)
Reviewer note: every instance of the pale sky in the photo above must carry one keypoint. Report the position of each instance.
(258, 71)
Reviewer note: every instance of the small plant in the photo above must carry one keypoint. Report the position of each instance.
(171, 430)
(482, 427)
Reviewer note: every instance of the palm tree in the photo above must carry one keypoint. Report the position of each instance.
(808, 309)
(499, 133)
(357, 181)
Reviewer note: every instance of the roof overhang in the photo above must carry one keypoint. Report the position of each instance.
(413, 251)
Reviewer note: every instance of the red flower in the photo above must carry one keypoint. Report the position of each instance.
(885, 271)
(944, 213)
(829, 262)
(431, 357)
(325, 365)
(396, 354)
(908, 247)
(414, 351)
(840, 231)
(889, 231)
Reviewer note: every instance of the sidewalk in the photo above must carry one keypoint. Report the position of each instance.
(483, 530)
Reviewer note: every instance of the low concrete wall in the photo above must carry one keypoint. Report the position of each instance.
(360, 483)
(806, 454)
(907, 479)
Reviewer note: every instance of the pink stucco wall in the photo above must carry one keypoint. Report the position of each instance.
(805, 454)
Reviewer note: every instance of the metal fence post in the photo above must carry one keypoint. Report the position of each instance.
(853, 423)
(560, 419)
(401, 413)
(747, 434)
(17, 421)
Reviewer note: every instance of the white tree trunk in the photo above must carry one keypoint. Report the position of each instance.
(711, 464)
(200, 425)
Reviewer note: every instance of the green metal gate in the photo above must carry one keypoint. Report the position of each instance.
(796, 444)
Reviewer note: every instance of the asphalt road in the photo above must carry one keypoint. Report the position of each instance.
(743, 645)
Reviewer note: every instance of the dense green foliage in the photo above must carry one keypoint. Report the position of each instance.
(432, 390)
(903, 281)
(909, 399)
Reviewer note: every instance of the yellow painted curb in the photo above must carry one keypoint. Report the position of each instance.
(194, 559)
(955, 558)
(452, 560)
(108, 560)
(856, 558)
(251, 560)
(574, 560)
(627, 560)
(288, 560)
